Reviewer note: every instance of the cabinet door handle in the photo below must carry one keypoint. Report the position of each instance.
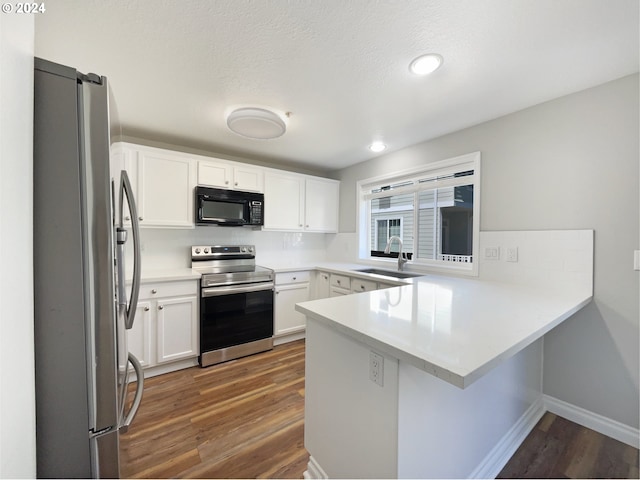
(236, 184)
(277, 292)
(140, 218)
(338, 282)
(306, 226)
(294, 278)
(361, 287)
(154, 291)
(146, 309)
(226, 182)
(127, 218)
(160, 307)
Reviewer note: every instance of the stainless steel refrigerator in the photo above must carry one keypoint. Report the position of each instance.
(82, 306)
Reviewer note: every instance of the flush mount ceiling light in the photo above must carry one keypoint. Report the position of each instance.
(377, 147)
(256, 123)
(426, 64)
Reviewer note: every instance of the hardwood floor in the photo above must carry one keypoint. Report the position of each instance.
(245, 419)
(558, 448)
(240, 419)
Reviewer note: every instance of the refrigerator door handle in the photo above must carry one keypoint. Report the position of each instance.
(137, 367)
(130, 308)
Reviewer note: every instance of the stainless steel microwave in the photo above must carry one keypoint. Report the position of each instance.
(215, 206)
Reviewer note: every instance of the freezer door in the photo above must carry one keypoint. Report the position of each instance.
(100, 314)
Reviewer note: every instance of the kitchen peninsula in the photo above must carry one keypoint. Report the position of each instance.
(441, 378)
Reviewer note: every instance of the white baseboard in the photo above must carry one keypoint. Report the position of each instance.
(314, 470)
(500, 454)
(169, 367)
(290, 337)
(594, 421)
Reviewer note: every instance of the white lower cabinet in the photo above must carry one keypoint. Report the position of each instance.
(339, 285)
(177, 329)
(139, 337)
(332, 285)
(322, 284)
(291, 288)
(165, 329)
(358, 285)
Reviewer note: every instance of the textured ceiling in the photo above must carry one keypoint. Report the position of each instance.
(339, 66)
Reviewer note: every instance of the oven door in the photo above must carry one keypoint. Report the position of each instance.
(234, 315)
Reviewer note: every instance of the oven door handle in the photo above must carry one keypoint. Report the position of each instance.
(230, 290)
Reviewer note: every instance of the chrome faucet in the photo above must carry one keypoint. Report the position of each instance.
(402, 259)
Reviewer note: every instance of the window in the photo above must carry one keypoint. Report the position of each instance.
(433, 210)
(385, 228)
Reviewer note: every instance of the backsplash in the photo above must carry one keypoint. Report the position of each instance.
(560, 259)
(171, 248)
(557, 259)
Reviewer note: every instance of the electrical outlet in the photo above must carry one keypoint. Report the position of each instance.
(376, 368)
(512, 254)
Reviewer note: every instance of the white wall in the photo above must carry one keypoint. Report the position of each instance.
(571, 163)
(17, 391)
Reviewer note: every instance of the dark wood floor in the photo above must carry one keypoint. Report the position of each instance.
(245, 419)
(240, 419)
(558, 448)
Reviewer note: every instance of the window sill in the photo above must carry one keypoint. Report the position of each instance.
(461, 269)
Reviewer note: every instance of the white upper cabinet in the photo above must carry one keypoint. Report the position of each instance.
(300, 203)
(165, 189)
(283, 201)
(221, 174)
(321, 205)
(162, 181)
(248, 178)
(215, 174)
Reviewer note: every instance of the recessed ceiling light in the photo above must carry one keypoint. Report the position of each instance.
(377, 147)
(426, 64)
(256, 123)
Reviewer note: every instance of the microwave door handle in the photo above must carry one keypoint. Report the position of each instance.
(125, 189)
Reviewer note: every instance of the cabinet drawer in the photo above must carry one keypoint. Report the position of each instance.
(168, 289)
(340, 281)
(359, 285)
(292, 277)
(337, 292)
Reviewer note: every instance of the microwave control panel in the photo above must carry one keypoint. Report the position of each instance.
(255, 215)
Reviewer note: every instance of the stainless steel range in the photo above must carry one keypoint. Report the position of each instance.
(236, 302)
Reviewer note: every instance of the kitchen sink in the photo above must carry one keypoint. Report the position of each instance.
(389, 273)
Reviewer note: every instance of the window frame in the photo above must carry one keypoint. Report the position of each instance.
(387, 218)
(434, 175)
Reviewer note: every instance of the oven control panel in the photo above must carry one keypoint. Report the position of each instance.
(222, 251)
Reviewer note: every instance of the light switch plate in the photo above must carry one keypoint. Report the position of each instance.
(492, 253)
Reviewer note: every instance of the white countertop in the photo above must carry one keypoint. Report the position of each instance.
(350, 269)
(167, 275)
(454, 328)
